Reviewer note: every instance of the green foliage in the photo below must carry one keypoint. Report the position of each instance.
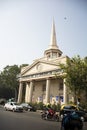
(40, 106)
(84, 105)
(56, 107)
(9, 76)
(2, 101)
(6, 93)
(75, 71)
(9, 81)
(23, 65)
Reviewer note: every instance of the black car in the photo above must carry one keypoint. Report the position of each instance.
(28, 107)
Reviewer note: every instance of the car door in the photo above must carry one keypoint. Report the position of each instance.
(11, 106)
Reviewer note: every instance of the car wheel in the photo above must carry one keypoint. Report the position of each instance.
(13, 110)
(5, 108)
(29, 109)
(62, 128)
(82, 118)
(60, 118)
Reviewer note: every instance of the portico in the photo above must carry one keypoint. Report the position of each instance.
(43, 89)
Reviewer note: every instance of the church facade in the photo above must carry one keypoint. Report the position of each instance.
(41, 82)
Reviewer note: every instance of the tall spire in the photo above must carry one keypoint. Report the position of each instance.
(53, 42)
(53, 50)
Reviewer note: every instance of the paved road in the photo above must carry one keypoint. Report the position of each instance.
(27, 121)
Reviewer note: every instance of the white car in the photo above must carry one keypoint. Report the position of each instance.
(13, 106)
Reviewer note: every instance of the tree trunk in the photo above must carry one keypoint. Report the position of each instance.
(16, 93)
(75, 98)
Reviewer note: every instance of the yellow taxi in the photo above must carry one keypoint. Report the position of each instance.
(69, 106)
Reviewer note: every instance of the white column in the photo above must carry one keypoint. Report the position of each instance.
(48, 91)
(65, 96)
(59, 93)
(20, 92)
(31, 91)
(27, 93)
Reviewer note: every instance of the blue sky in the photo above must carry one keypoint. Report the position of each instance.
(25, 29)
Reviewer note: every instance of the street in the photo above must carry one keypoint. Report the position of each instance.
(26, 120)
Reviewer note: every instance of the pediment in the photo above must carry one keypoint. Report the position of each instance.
(38, 67)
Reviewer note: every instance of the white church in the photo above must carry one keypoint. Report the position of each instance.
(41, 84)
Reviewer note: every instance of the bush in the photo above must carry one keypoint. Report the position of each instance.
(56, 107)
(84, 105)
(40, 106)
(2, 101)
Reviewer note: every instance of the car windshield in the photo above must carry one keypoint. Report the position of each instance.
(14, 103)
(69, 107)
(24, 104)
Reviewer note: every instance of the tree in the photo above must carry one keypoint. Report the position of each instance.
(8, 78)
(85, 76)
(75, 71)
(8, 81)
(23, 65)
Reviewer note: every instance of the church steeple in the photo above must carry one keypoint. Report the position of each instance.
(53, 50)
(53, 42)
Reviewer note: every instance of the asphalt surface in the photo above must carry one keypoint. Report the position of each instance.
(27, 121)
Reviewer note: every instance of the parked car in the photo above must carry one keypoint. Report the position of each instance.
(28, 107)
(69, 106)
(13, 106)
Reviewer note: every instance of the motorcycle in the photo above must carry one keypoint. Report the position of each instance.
(54, 117)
